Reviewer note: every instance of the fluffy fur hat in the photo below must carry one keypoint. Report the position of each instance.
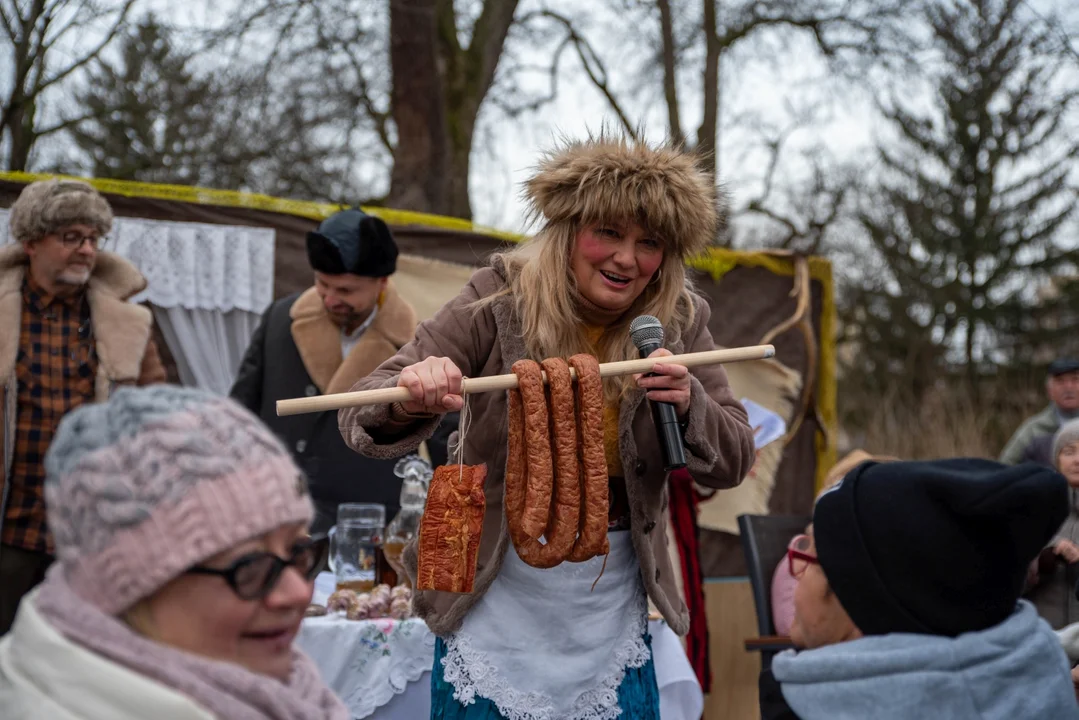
(606, 179)
(352, 241)
(46, 206)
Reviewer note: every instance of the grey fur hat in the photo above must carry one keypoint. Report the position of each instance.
(46, 206)
(1068, 434)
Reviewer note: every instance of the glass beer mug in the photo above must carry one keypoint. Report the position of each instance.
(354, 543)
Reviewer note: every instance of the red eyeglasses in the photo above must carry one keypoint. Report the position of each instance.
(798, 557)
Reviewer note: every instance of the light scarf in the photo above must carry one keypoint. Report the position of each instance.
(222, 688)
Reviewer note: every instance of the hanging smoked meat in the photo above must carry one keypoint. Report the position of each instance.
(449, 542)
(556, 486)
(561, 513)
(576, 515)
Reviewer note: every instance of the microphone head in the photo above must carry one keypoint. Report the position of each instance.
(645, 330)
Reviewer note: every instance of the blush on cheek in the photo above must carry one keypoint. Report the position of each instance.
(592, 249)
(648, 263)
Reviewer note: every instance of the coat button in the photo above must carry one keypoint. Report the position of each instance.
(657, 574)
(310, 391)
(301, 445)
(649, 527)
(642, 467)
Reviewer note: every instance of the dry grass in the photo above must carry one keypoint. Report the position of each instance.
(950, 421)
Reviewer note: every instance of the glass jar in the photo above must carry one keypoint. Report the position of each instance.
(416, 474)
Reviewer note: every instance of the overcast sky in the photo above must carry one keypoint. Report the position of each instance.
(761, 81)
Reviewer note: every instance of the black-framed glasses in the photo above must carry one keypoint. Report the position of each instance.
(73, 240)
(255, 575)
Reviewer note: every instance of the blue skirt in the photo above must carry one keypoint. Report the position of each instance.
(638, 695)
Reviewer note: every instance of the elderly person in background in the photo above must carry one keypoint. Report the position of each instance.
(621, 218)
(1052, 579)
(184, 569)
(324, 340)
(68, 336)
(1033, 441)
(908, 604)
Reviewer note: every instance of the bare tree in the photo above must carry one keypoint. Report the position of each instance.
(396, 83)
(439, 83)
(35, 34)
(690, 38)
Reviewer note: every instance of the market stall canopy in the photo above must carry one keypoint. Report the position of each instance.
(756, 297)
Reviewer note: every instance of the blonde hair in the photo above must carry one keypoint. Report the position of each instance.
(544, 290)
(848, 463)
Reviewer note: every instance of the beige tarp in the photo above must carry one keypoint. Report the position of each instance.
(750, 293)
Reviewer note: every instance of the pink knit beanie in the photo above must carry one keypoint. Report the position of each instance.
(157, 480)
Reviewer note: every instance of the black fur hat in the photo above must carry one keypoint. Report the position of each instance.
(353, 242)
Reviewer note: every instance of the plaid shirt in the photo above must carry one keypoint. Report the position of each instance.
(55, 369)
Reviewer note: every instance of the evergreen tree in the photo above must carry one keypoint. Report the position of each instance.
(974, 202)
(152, 118)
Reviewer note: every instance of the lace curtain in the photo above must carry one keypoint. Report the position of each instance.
(207, 286)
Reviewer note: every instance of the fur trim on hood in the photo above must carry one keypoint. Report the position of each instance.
(607, 179)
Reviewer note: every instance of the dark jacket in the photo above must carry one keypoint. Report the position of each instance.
(1054, 591)
(296, 352)
(1025, 445)
(1040, 450)
(773, 705)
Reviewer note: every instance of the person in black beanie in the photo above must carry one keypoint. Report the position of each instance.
(323, 341)
(908, 603)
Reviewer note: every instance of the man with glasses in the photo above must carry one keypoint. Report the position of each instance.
(67, 337)
(908, 605)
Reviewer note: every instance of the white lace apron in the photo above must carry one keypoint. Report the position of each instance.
(541, 645)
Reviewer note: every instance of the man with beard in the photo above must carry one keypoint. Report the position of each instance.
(323, 341)
(68, 336)
(1033, 441)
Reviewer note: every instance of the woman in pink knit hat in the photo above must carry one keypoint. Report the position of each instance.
(184, 569)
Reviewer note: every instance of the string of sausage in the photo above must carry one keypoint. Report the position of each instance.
(572, 532)
(529, 485)
(525, 508)
(595, 490)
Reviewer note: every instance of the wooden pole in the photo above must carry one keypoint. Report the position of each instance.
(494, 383)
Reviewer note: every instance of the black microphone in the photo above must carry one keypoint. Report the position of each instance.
(647, 334)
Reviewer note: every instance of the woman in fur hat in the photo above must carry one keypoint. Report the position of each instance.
(620, 219)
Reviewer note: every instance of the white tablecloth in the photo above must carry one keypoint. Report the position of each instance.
(382, 668)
